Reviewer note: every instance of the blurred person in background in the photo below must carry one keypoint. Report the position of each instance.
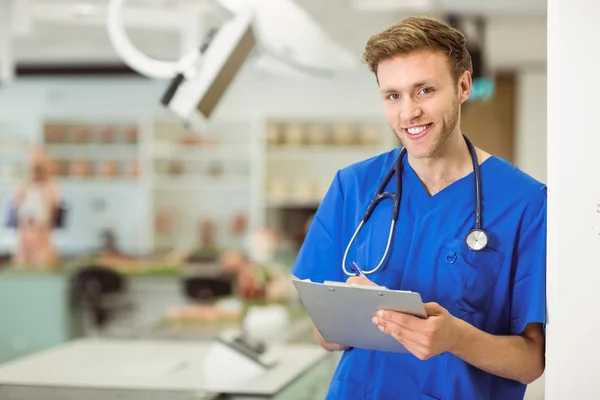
(36, 207)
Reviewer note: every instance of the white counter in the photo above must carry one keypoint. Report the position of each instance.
(156, 367)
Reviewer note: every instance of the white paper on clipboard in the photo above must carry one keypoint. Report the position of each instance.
(342, 312)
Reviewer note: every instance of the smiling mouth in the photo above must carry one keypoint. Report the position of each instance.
(417, 131)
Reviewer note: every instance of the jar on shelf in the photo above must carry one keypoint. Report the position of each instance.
(80, 169)
(81, 134)
(215, 168)
(370, 134)
(273, 134)
(56, 167)
(132, 168)
(277, 189)
(106, 134)
(54, 133)
(318, 134)
(344, 134)
(108, 169)
(294, 135)
(175, 168)
(130, 134)
(188, 139)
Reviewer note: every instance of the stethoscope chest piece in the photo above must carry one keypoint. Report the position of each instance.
(477, 239)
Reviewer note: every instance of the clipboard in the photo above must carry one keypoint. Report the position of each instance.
(342, 312)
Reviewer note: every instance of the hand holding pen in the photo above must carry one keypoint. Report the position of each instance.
(360, 278)
(357, 269)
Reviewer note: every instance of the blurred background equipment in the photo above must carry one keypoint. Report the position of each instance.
(98, 294)
(474, 28)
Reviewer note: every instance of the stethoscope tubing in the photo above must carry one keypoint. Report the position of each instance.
(396, 198)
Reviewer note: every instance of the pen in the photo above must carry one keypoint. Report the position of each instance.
(357, 269)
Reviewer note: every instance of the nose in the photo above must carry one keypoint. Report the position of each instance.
(410, 110)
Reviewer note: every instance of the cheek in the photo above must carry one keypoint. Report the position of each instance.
(391, 113)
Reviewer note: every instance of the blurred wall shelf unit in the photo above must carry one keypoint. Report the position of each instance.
(98, 159)
(302, 157)
(204, 184)
(83, 150)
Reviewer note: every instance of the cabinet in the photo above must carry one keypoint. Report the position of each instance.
(35, 313)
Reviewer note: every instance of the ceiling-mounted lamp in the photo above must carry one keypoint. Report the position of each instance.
(289, 38)
(200, 78)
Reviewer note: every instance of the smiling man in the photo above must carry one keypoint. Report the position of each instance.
(485, 294)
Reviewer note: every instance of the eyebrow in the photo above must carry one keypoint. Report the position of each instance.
(415, 85)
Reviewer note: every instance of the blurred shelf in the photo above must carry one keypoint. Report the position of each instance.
(320, 152)
(292, 203)
(198, 153)
(93, 150)
(198, 182)
(99, 180)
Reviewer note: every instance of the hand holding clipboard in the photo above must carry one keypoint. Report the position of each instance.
(342, 311)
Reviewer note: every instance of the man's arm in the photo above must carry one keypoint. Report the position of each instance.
(517, 357)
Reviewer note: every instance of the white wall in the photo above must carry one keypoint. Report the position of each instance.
(574, 198)
(516, 41)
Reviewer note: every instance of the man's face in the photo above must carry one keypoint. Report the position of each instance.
(422, 100)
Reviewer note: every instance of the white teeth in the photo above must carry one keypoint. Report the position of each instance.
(417, 130)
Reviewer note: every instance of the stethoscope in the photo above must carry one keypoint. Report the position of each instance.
(476, 239)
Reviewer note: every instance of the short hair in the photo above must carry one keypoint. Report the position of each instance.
(416, 34)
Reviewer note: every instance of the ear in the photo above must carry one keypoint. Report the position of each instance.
(465, 83)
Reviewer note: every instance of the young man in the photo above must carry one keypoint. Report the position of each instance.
(484, 337)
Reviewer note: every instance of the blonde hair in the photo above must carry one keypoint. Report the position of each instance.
(416, 34)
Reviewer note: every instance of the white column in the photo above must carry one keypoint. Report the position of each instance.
(573, 349)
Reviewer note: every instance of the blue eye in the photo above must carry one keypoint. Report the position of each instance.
(426, 91)
(391, 96)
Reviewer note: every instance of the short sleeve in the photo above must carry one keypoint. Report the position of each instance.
(320, 256)
(528, 303)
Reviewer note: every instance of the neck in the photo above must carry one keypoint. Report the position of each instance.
(451, 162)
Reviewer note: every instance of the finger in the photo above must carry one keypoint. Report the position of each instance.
(404, 320)
(433, 309)
(407, 339)
(398, 331)
(360, 280)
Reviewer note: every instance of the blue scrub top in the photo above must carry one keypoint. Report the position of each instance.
(499, 290)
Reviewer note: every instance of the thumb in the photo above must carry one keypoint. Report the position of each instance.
(359, 280)
(433, 309)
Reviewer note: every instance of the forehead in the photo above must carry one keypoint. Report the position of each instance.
(403, 71)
